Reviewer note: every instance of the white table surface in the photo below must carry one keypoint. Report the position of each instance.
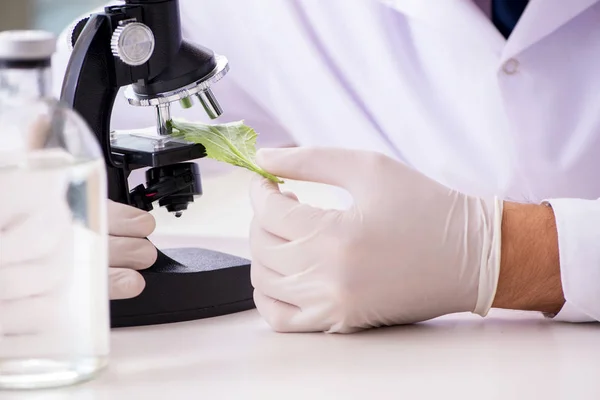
(508, 355)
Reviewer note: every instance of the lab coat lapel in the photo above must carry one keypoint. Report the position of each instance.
(540, 19)
(458, 18)
(424, 10)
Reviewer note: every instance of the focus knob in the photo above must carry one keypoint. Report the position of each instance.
(74, 32)
(133, 43)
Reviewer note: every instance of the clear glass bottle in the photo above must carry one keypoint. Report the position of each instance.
(54, 304)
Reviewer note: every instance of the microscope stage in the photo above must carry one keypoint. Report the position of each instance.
(145, 150)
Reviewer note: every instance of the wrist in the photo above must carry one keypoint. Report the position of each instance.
(529, 262)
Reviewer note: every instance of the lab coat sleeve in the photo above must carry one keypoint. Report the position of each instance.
(578, 225)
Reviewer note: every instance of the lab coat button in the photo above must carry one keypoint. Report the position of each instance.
(511, 66)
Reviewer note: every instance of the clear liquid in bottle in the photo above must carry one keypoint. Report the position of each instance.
(54, 305)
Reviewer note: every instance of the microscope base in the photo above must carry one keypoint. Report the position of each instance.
(187, 284)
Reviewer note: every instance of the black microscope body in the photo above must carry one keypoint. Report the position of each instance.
(139, 45)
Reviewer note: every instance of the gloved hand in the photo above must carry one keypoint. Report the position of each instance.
(129, 249)
(407, 250)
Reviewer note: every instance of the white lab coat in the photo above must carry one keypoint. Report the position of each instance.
(433, 84)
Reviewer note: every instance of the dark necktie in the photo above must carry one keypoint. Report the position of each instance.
(506, 14)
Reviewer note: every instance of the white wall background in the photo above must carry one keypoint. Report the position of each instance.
(51, 15)
(55, 15)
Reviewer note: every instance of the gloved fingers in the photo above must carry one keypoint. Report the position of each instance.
(39, 276)
(125, 283)
(285, 258)
(279, 316)
(128, 221)
(33, 236)
(133, 253)
(28, 316)
(38, 133)
(34, 191)
(331, 166)
(286, 318)
(263, 244)
(290, 195)
(283, 216)
(274, 285)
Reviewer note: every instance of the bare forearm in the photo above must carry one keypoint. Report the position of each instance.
(529, 269)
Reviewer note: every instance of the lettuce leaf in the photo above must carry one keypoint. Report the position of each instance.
(233, 143)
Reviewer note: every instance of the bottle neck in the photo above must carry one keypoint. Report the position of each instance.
(23, 84)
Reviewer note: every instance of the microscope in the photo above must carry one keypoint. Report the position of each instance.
(138, 46)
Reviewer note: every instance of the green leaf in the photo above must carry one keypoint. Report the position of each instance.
(233, 143)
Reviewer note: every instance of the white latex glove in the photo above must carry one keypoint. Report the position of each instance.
(129, 249)
(408, 250)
